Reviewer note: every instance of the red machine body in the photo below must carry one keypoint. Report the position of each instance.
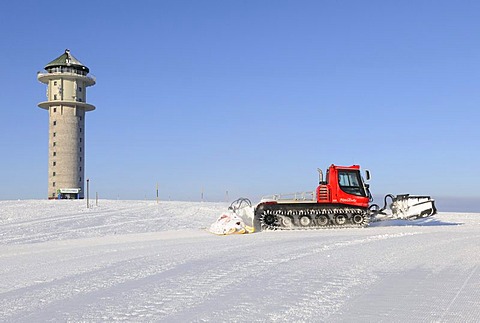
(343, 185)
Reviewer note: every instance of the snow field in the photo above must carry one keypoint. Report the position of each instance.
(142, 261)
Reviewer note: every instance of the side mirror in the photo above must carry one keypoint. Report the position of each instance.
(367, 174)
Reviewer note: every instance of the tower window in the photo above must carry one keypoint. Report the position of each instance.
(54, 174)
(54, 134)
(54, 144)
(54, 109)
(54, 163)
(54, 153)
(54, 123)
(79, 89)
(54, 96)
(53, 184)
(54, 82)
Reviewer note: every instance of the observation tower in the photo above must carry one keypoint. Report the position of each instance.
(67, 80)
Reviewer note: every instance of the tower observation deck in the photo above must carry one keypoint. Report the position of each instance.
(67, 80)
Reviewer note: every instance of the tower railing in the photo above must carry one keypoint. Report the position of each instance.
(72, 72)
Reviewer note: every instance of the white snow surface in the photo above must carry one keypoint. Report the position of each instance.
(139, 261)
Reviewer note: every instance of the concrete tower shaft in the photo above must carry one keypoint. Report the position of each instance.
(66, 79)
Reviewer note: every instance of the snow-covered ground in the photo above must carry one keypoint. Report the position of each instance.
(142, 261)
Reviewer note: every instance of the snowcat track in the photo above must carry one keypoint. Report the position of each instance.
(305, 216)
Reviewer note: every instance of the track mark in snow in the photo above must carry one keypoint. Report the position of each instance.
(326, 295)
(60, 220)
(447, 309)
(312, 295)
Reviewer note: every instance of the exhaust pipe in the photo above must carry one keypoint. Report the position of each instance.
(320, 176)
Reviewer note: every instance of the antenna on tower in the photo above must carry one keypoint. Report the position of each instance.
(68, 60)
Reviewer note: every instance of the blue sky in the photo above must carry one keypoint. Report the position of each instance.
(249, 96)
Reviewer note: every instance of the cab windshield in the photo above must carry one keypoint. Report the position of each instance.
(351, 183)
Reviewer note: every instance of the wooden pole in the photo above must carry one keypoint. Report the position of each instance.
(88, 192)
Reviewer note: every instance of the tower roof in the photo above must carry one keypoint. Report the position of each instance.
(67, 59)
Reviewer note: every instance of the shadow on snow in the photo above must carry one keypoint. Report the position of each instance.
(426, 222)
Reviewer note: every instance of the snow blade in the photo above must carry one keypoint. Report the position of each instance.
(234, 220)
(411, 207)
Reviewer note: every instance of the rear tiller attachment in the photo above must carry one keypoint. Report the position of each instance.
(404, 206)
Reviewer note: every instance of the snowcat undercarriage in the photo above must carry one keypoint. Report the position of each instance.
(273, 216)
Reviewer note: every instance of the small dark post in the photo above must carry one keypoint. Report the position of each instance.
(88, 191)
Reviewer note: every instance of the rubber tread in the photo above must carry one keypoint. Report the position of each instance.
(269, 216)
